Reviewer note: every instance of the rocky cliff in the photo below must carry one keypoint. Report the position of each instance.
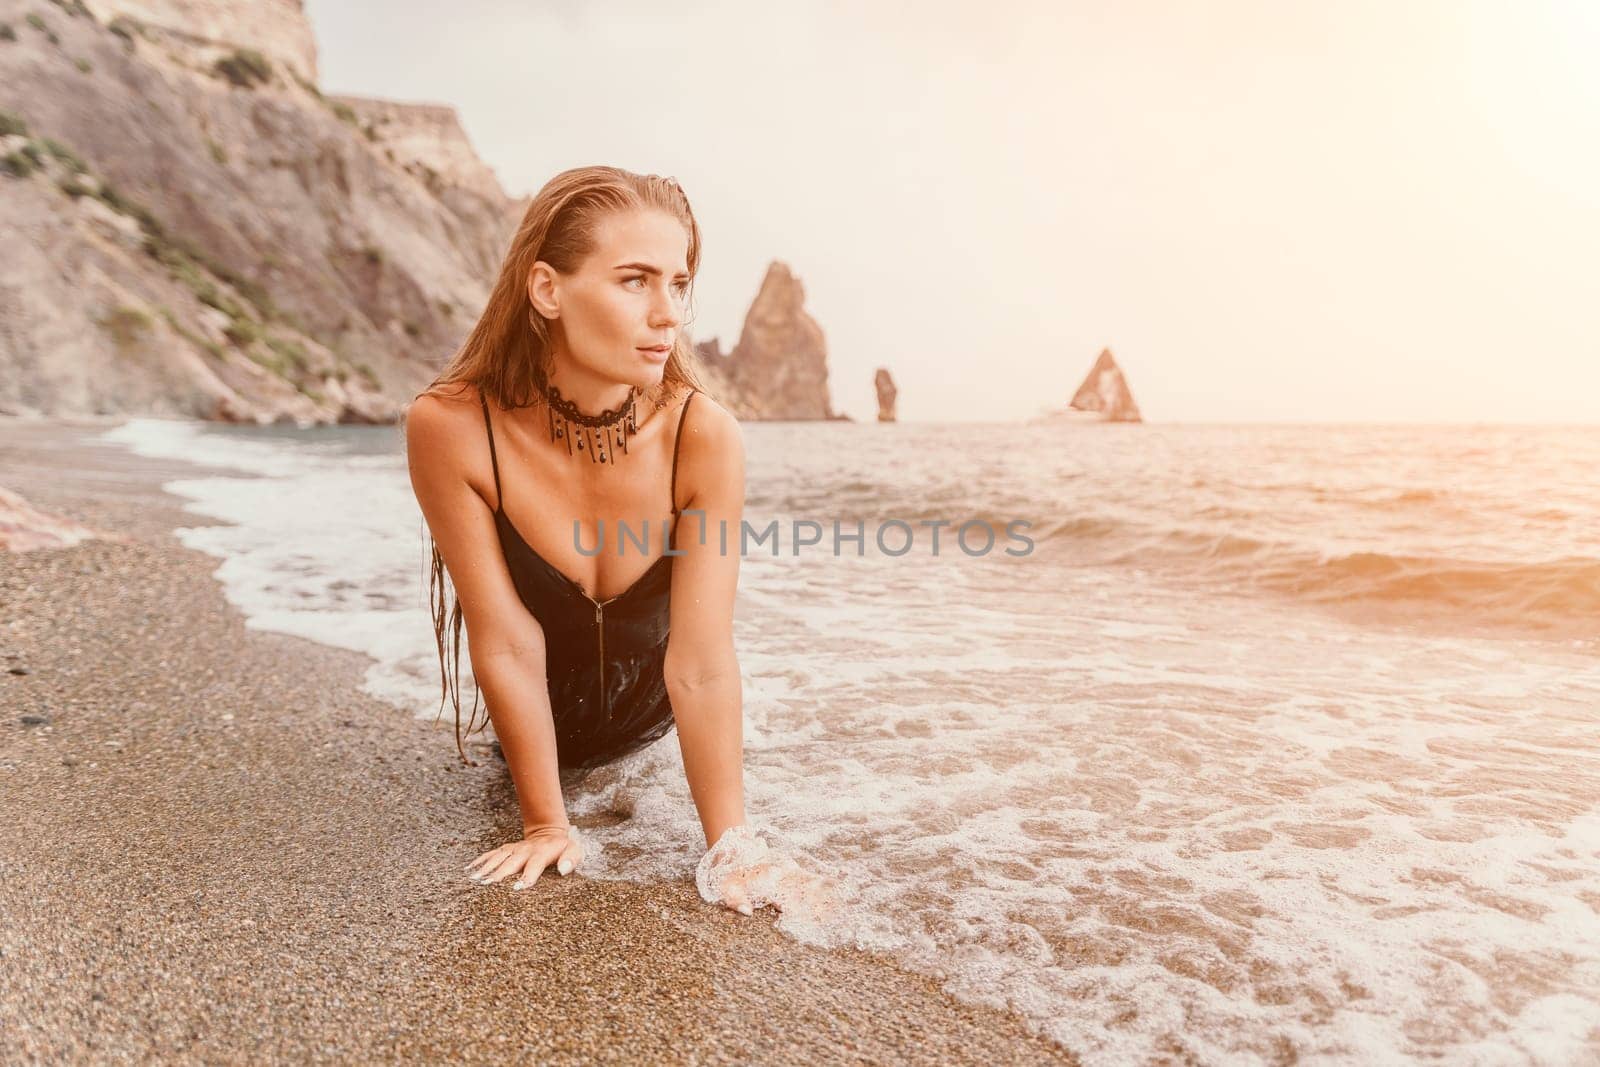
(195, 230)
(779, 367)
(209, 30)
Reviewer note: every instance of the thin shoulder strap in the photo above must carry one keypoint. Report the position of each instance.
(676, 441)
(499, 501)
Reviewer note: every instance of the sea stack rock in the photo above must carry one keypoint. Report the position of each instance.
(884, 384)
(1105, 394)
(779, 368)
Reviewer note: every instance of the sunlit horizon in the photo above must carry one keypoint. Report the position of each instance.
(1359, 214)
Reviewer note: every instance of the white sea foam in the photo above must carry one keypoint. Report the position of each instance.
(1156, 819)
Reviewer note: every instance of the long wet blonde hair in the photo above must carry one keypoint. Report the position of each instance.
(511, 344)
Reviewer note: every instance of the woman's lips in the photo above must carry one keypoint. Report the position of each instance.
(658, 355)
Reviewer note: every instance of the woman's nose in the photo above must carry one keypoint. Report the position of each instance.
(664, 314)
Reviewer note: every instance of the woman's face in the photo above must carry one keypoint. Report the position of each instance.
(626, 297)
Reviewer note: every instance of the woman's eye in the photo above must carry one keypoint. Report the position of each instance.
(681, 288)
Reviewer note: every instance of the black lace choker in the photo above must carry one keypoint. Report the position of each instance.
(598, 435)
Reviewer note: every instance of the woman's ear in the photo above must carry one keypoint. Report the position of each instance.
(542, 290)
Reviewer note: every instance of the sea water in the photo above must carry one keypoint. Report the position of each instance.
(1281, 742)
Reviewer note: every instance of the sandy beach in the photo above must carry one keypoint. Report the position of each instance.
(215, 848)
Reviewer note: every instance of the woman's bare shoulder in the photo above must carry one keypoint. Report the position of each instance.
(712, 451)
(453, 397)
(442, 409)
(442, 428)
(707, 420)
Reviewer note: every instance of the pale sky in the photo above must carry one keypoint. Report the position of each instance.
(1270, 211)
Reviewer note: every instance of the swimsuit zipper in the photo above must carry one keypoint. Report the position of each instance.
(600, 625)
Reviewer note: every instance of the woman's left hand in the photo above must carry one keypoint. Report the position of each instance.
(736, 871)
(743, 871)
(736, 888)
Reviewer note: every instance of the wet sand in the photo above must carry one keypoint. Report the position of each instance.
(214, 847)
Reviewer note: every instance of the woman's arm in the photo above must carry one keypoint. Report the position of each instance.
(505, 641)
(702, 671)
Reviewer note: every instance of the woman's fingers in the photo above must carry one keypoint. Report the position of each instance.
(481, 857)
(510, 863)
(527, 859)
(739, 886)
(485, 863)
(536, 858)
(735, 895)
(495, 864)
(571, 857)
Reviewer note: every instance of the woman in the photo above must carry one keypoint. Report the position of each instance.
(571, 415)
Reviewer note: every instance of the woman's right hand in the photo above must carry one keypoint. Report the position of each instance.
(543, 845)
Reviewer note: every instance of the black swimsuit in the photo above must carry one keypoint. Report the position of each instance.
(604, 658)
